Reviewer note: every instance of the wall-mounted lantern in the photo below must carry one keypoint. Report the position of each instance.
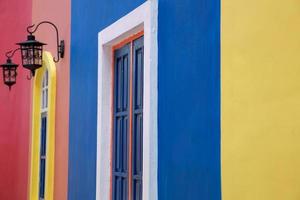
(9, 70)
(31, 55)
(32, 50)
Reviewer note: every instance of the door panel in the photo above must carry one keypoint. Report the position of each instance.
(121, 123)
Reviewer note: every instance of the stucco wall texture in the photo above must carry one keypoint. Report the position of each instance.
(258, 104)
(188, 96)
(58, 12)
(260, 100)
(15, 15)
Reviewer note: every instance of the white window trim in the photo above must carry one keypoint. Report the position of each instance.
(142, 18)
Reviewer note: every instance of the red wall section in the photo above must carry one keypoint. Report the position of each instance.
(58, 12)
(15, 15)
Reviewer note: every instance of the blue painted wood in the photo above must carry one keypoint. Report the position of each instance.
(188, 96)
(189, 100)
(43, 156)
(120, 144)
(137, 113)
(88, 19)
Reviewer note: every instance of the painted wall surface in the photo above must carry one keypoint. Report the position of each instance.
(15, 15)
(260, 100)
(189, 100)
(189, 96)
(58, 12)
(88, 18)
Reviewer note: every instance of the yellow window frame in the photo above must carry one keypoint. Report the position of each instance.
(49, 65)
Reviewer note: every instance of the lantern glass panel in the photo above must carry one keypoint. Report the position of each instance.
(32, 56)
(6, 73)
(37, 55)
(10, 75)
(26, 54)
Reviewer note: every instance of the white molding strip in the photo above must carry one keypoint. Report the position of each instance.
(142, 18)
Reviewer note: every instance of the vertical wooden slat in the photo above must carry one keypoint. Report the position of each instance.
(137, 112)
(121, 124)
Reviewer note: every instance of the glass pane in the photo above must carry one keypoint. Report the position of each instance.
(44, 100)
(43, 143)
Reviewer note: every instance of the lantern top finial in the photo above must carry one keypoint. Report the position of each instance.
(9, 64)
(30, 42)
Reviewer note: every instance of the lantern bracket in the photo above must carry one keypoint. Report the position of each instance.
(60, 43)
(11, 53)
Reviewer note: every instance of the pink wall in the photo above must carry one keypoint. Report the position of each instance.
(15, 106)
(58, 12)
(15, 15)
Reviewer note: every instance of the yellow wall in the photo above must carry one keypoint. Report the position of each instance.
(260, 99)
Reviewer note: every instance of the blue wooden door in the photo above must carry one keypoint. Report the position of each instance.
(127, 165)
(137, 116)
(121, 124)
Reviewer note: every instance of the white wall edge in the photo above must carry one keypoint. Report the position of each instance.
(143, 17)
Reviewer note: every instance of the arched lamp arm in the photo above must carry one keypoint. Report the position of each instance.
(60, 44)
(11, 53)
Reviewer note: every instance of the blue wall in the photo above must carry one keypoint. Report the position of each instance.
(88, 18)
(189, 100)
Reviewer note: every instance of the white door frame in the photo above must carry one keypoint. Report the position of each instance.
(142, 18)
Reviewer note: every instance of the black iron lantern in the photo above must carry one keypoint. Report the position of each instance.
(9, 73)
(32, 50)
(31, 53)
